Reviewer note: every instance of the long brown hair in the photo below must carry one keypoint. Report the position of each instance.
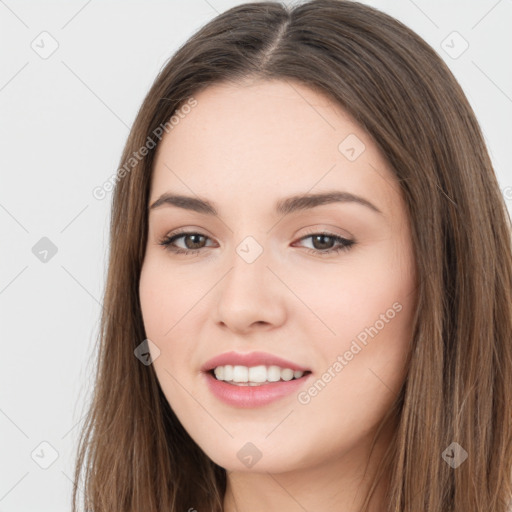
(135, 456)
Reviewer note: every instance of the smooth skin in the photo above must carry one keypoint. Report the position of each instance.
(243, 148)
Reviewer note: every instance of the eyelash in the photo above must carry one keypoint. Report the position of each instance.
(169, 239)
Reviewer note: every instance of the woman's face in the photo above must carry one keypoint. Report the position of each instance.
(328, 285)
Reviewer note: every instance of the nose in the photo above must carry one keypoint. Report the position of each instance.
(251, 296)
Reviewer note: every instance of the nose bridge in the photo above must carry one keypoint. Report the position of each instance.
(249, 266)
(250, 250)
(247, 293)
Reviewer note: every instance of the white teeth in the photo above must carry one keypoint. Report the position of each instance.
(240, 374)
(255, 375)
(273, 373)
(287, 374)
(228, 372)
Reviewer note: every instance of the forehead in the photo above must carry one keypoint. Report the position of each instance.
(265, 140)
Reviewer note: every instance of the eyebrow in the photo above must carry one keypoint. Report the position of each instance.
(284, 206)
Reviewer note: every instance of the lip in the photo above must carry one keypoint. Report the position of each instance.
(250, 359)
(253, 396)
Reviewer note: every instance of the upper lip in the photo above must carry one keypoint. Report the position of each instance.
(250, 359)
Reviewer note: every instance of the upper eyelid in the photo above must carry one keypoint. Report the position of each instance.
(344, 243)
(181, 234)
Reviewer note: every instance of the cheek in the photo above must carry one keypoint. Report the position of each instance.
(153, 301)
(166, 296)
(368, 307)
(162, 309)
(352, 297)
(170, 305)
(363, 371)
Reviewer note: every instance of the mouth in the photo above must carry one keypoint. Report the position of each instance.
(260, 380)
(234, 388)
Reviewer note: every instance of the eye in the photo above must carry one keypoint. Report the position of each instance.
(192, 247)
(323, 243)
(328, 243)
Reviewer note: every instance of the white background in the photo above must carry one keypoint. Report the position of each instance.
(63, 123)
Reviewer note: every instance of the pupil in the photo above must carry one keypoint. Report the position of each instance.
(194, 236)
(322, 237)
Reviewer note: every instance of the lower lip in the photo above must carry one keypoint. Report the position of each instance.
(253, 396)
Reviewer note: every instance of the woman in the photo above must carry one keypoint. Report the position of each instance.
(308, 302)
